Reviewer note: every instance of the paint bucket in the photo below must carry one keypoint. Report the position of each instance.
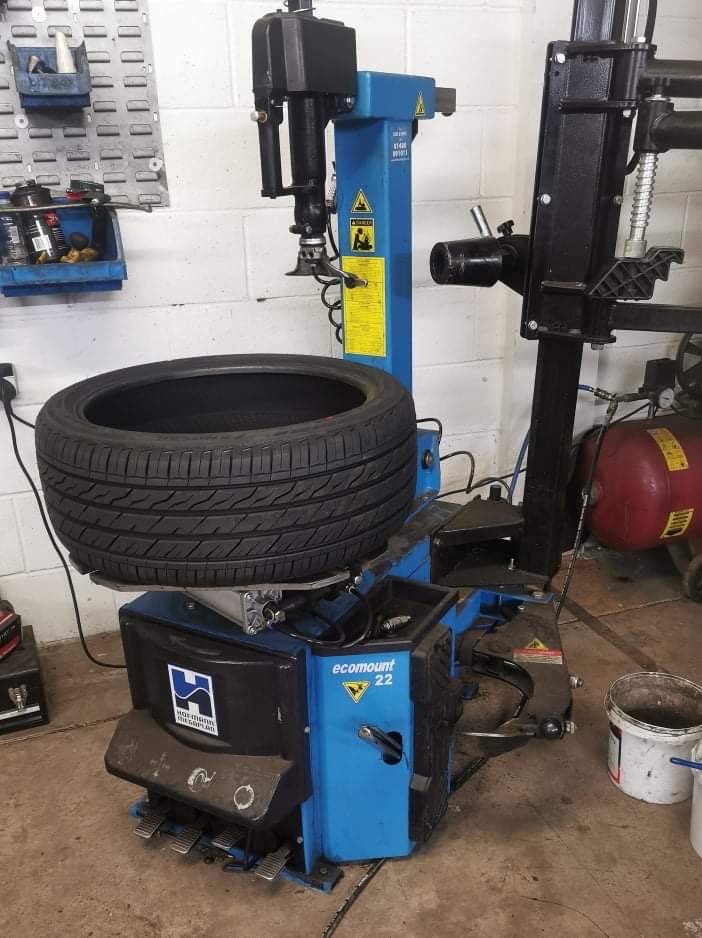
(653, 717)
(696, 816)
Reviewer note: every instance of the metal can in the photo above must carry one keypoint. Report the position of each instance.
(12, 247)
(42, 229)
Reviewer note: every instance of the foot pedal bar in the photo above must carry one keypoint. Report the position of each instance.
(228, 838)
(150, 823)
(273, 865)
(186, 840)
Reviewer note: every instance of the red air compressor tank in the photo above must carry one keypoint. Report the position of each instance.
(648, 483)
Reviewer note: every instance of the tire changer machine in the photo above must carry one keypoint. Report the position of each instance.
(288, 756)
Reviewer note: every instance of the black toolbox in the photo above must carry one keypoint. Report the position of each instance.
(22, 698)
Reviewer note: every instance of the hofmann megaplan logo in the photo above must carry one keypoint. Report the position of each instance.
(193, 700)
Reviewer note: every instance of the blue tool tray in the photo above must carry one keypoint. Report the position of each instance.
(94, 276)
(37, 90)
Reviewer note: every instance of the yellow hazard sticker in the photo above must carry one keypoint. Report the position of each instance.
(420, 108)
(364, 308)
(361, 203)
(362, 235)
(356, 689)
(678, 522)
(669, 445)
(538, 644)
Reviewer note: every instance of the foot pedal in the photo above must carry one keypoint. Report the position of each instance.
(186, 840)
(228, 838)
(150, 823)
(273, 865)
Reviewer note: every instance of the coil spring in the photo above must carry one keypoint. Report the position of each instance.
(644, 190)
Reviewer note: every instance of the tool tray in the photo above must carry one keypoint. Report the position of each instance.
(94, 276)
(39, 90)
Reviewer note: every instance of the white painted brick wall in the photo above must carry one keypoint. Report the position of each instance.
(208, 275)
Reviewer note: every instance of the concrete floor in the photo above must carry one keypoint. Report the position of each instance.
(538, 843)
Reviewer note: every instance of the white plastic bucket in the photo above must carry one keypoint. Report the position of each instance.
(696, 817)
(652, 717)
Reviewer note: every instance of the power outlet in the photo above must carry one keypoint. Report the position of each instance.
(8, 377)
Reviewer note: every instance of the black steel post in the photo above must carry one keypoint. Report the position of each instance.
(559, 359)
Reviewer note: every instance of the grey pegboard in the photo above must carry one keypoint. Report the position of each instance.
(117, 140)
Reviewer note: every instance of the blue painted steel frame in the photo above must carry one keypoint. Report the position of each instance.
(373, 156)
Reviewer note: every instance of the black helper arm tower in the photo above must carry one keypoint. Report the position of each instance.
(308, 64)
(575, 289)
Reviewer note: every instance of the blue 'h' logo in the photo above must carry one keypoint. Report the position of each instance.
(188, 692)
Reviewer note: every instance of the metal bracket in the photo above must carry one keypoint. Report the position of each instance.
(630, 278)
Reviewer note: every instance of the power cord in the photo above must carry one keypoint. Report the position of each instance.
(11, 417)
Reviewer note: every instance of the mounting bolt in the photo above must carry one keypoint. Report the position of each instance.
(570, 727)
(427, 459)
(259, 117)
(576, 682)
(323, 870)
(532, 325)
(560, 58)
(537, 594)
(349, 101)
(358, 579)
(307, 731)
(189, 605)
(618, 199)
(627, 113)
(300, 840)
(545, 198)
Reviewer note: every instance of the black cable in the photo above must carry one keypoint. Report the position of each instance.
(494, 480)
(332, 241)
(47, 527)
(633, 413)
(632, 164)
(336, 919)
(20, 419)
(331, 307)
(438, 423)
(471, 457)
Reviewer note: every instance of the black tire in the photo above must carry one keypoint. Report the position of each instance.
(228, 470)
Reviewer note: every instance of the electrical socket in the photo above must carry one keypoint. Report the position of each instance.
(8, 377)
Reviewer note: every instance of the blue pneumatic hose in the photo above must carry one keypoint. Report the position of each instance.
(525, 447)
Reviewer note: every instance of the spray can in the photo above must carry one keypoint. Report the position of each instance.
(42, 229)
(12, 247)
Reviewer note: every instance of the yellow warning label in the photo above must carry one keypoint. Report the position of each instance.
(678, 522)
(669, 445)
(356, 689)
(362, 235)
(364, 308)
(361, 203)
(536, 643)
(420, 109)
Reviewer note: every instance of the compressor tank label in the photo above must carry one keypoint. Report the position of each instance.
(193, 700)
(669, 445)
(678, 522)
(364, 308)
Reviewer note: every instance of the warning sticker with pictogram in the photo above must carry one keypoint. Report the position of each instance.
(361, 203)
(420, 109)
(537, 653)
(362, 235)
(356, 689)
(678, 522)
